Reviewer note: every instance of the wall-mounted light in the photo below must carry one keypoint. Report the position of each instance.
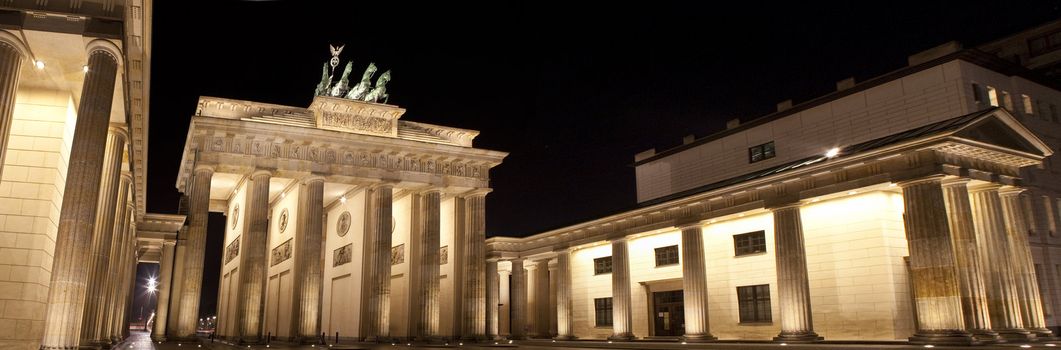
(832, 152)
(39, 64)
(342, 199)
(84, 68)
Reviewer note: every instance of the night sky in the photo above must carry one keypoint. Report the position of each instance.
(571, 93)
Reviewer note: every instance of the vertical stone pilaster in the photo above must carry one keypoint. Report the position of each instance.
(69, 275)
(253, 260)
(491, 299)
(504, 325)
(933, 267)
(1022, 263)
(519, 300)
(793, 289)
(11, 57)
(474, 305)
(431, 225)
(309, 268)
(176, 290)
(967, 259)
(622, 328)
(165, 271)
(694, 285)
(541, 299)
(128, 266)
(192, 276)
(376, 315)
(563, 296)
(1001, 288)
(112, 195)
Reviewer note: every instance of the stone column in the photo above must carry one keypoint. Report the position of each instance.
(563, 295)
(176, 290)
(108, 207)
(192, 276)
(11, 54)
(793, 289)
(1022, 263)
(519, 300)
(504, 312)
(492, 289)
(474, 305)
(378, 263)
(967, 259)
(116, 281)
(621, 313)
(311, 235)
(253, 260)
(933, 267)
(541, 299)
(165, 271)
(1003, 302)
(431, 224)
(128, 279)
(69, 275)
(694, 285)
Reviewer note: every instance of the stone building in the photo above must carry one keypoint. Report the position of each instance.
(74, 78)
(342, 220)
(922, 204)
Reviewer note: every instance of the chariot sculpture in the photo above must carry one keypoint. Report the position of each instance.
(365, 90)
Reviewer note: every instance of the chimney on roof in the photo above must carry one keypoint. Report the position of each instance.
(688, 139)
(644, 155)
(783, 105)
(732, 123)
(934, 53)
(845, 84)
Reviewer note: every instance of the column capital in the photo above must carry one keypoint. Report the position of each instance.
(1011, 190)
(784, 206)
(622, 239)
(956, 181)
(200, 168)
(261, 172)
(431, 189)
(481, 192)
(118, 129)
(169, 242)
(126, 176)
(13, 40)
(931, 178)
(984, 187)
(106, 47)
(311, 178)
(690, 225)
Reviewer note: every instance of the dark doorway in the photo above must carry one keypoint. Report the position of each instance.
(669, 312)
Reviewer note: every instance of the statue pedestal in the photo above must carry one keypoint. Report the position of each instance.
(359, 117)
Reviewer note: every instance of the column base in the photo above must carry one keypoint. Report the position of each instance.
(161, 338)
(474, 338)
(1043, 334)
(565, 337)
(944, 338)
(698, 338)
(801, 337)
(986, 336)
(377, 339)
(1016, 334)
(622, 337)
(517, 337)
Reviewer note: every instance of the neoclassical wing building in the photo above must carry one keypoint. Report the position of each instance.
(922, 204)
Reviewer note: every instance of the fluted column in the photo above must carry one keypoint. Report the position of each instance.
(793, 289)
(621, 313)
(990, 224)
(115, 280)
(694, 285)
(69, 275)
(108, 207)
(933, 267)
(177, 287)
(491, 299)
(967, 259)
(541, 299)
(504, 312)
(563, 295)
(428, 313)
(165, 271)
(253, 260)
(128, 266)
(519, 300)
(378, 233)
(12, 53)
(192, 276)
(474, 305)
(308, 263)
(1022, 263)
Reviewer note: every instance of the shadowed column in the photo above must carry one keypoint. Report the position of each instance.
(109, 322)
(11, 56)
(491, 299)
(309, 270)
(792, 285)
(1031, 306)
(621, 315)
(378, 263)
(967, 259)
(195, 244)
(109, 207)
(253, 259)
(474, 320)
(563, 295)
(694, 285)
(933, 267)
(428, 313)
(519, 300)
(69, 275)
(999, 281)
(165, 271)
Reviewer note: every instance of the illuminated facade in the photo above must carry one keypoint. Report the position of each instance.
(921, 205)
(74, 78)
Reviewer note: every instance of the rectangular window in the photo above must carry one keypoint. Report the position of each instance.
(749, 243)
(602, 265)
(1028, 106)
(992, 96)
(761, 152)
(602, 308)
(1053, 113)
(1007, 101)
(667, 255)
(978, 95)
(754, 303)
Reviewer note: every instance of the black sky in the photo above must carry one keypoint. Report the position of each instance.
(571, 93)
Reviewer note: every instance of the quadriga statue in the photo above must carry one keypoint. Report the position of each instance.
(343, 85)
(362, 89)
(379, 93)
(326, 81)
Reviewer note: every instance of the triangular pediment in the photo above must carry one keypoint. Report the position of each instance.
(1002, 130)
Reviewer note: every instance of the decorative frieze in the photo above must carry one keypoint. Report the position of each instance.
(232, 251)
(398, 254)
(281, 253)
(357, 117)
(342, 255)
(443, 255)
